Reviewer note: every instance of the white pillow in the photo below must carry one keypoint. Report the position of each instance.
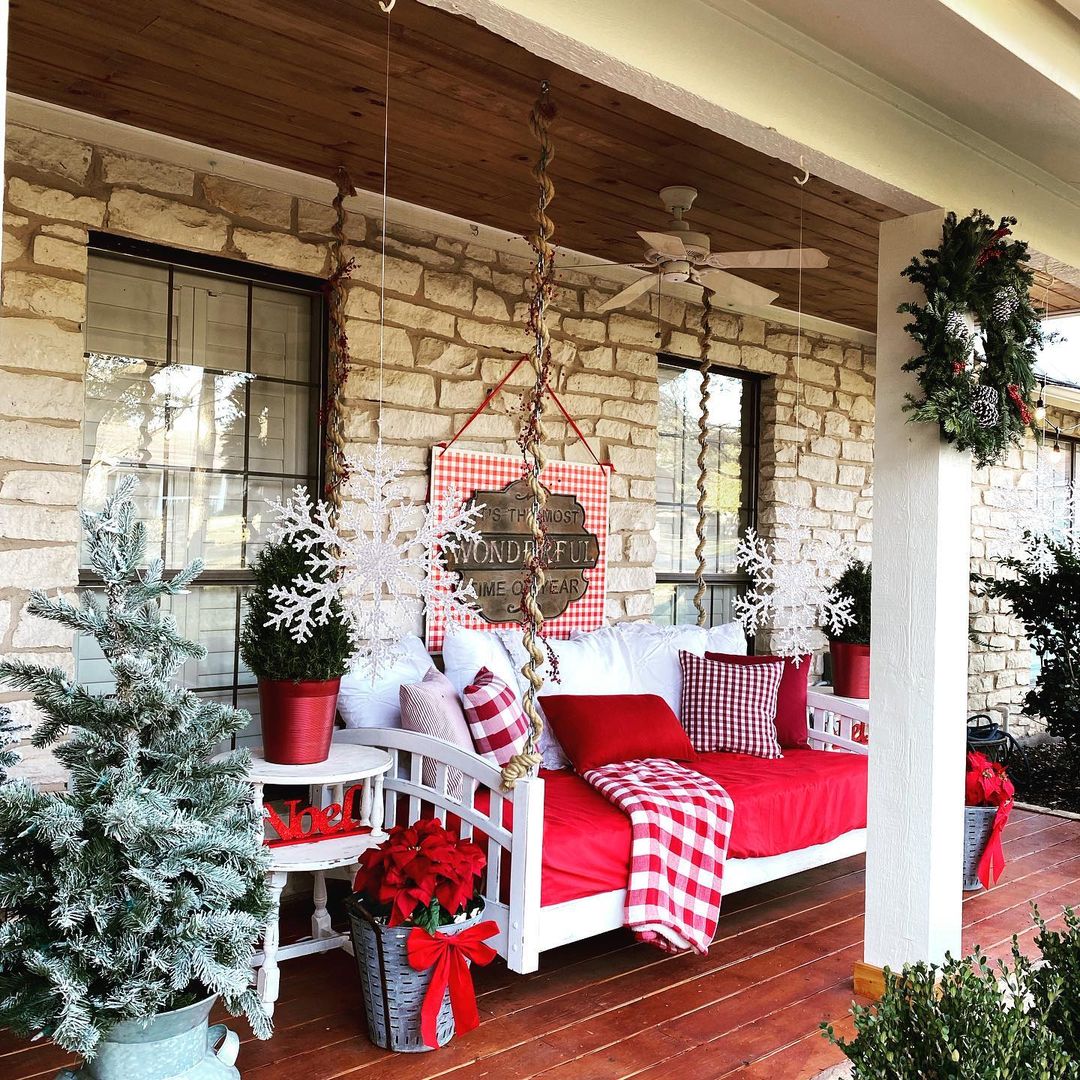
(364, 702)
(465, 652)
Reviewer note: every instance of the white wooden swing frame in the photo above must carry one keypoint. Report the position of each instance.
(526, 929)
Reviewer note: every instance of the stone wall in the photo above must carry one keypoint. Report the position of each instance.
(455, 312)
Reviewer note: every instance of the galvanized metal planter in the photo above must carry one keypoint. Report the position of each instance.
(978, 821)
(393, 990)
(177, 1045)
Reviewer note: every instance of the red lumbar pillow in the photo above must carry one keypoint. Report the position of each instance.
(598, 729)
(790, 700)
(730, 706)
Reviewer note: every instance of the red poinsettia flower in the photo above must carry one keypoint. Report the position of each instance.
(417, 865)
(987, 783)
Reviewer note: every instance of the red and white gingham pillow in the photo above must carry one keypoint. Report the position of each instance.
(729, 706)
(496, 721)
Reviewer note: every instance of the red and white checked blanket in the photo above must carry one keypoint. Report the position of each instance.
(680, 824)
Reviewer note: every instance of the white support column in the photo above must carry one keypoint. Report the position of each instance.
(921, 553)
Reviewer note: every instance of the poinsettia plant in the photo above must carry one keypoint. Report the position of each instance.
(421, 875)
(987, 783)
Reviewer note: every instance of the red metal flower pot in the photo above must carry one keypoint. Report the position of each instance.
(850, 669)
(297, 719)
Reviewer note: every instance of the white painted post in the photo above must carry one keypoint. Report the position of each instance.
(921, 553)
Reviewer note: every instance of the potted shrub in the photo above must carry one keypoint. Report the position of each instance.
(988, 797)
(418, 889)
(850, 649)
(298, 684)
(132, 899)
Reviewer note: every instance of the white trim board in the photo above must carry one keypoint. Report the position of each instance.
(100, 131)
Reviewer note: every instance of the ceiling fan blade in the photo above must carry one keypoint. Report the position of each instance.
(631, 292)
(782, 259)
(730, 289)
(665, 243)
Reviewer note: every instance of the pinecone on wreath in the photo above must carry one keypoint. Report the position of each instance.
(956, 325)
(1005, 304)
(985, 405)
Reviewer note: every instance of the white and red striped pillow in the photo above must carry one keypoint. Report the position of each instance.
(731, 707)
(496, 720)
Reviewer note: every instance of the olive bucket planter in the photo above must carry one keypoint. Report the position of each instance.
(177, 1045)
(297, 719)
(393, 990)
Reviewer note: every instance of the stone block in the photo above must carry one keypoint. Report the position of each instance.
(48, 153)
(587, 382)
(626, 516)
(628, 579)
(460, 394)
(365, 340)
(42, 487)
(438, 260)
(251, 203)
(585, 329)
(635, 362)
(449, 290)
(490, 305)
(51, 251)
(408, 425)
(314, 218)
(140, 172)
(626, 330)
(34, 633)
(48, 202)
(26, 442)
(856, 450)
(637, 413)
(40, 345)
(44, 294)
(41, 397)
(281, 250)
(855, 382)
(418, 317)
(599, 359)
(166, 221)
(493, 335)
(445, 359)
(755, 358)
(398, 387)
(402, 275)
(820, 469)
(751, 330)
(633, 461)
(852, 476)
(39, 567)
(832, 498)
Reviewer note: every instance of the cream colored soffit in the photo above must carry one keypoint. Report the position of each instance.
(165, 148)
(733, 68)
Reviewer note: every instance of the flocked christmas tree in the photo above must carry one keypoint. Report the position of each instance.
(141, 888)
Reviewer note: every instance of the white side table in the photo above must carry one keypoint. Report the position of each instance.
(347, 764)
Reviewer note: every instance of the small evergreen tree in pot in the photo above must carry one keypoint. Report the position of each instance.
(140, 890)
(850, 649)
(298, 684)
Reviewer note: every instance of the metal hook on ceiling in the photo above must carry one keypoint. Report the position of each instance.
(803, 180)
(387, 5)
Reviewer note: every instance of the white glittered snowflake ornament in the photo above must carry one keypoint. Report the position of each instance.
(794, 576)
(1039, 520)
(377, 560)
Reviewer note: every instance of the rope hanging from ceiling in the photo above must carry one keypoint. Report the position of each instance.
(531, 440)
(335, 471)
(703, 451)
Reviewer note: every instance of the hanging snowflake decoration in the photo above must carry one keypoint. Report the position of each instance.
(794, 576)
(377, 560)
(1038, 521)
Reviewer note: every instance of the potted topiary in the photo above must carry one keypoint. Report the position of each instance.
(850, 648)
(132, 899)
(298, 684)
(415, 917)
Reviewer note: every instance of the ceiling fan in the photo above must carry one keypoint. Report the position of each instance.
(681, 254)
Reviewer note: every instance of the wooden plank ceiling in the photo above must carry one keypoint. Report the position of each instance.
(299, 83)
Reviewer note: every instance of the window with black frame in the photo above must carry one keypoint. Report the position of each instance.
(731, 491)
(203, 379)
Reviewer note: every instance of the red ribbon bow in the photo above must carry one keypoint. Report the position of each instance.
(992, 861)
(449, 953)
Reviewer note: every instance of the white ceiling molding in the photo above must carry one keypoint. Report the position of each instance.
(165, 148)
(735, 69)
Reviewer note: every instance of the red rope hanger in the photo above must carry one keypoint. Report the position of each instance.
(554, 397)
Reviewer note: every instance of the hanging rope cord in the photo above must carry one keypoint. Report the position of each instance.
(532, 440)
(703, 451)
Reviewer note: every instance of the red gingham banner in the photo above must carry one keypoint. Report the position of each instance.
(469, 471)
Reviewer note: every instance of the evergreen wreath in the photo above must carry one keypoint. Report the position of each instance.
(975, 385)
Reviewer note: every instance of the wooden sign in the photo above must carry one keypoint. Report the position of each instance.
(494, 562)
(576, 518)
(322, 822)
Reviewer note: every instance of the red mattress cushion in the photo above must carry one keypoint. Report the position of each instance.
(806, 797)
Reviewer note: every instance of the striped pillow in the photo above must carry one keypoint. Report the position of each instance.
(432, 707)
(729, 706)
(499, 726)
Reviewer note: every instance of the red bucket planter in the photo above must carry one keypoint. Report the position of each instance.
(850, 669)
(297, 719)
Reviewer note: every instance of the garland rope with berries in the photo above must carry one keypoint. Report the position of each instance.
(531, 441)
(975, 384)
(702, 457)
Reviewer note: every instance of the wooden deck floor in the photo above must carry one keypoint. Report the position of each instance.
(607, 1008)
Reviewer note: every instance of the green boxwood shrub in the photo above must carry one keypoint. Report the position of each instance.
(271, 652)
(855, 582)
(971, 1020)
